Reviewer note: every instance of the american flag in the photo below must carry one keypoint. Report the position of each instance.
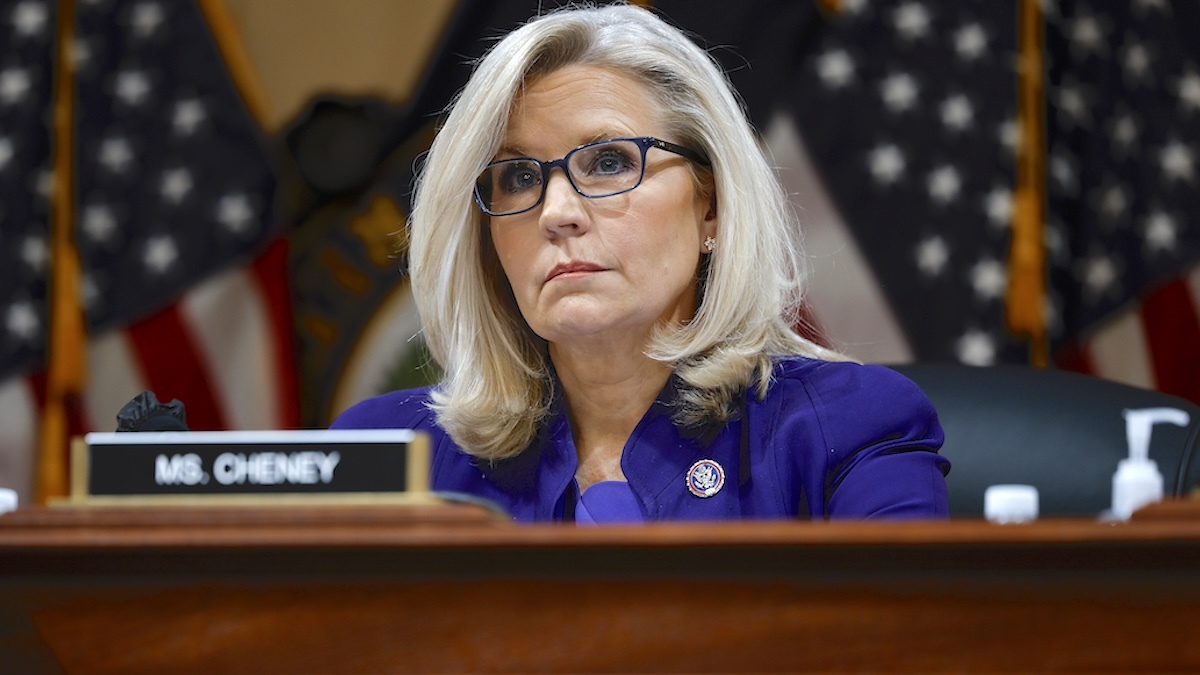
(895, 124)
(183, 278)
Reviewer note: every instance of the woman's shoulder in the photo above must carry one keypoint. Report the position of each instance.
(401, 409)
(850, 388)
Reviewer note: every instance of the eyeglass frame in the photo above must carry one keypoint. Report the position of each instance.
(644, 143)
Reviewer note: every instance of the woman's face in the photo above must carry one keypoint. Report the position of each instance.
(587, 271)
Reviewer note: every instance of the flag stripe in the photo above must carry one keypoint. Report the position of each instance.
(271, 276)
(174, 367)
(114, 378)
(18, 410)
(1121, 352)
(1172, 331)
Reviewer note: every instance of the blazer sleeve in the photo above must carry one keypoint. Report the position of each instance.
(881, 438)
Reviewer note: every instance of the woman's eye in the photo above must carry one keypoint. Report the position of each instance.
(610, 162)
(520, 177)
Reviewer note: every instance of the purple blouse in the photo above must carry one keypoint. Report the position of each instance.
(829, 440)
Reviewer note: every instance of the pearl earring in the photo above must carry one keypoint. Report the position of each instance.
(710, 243)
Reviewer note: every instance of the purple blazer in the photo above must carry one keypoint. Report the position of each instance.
(831, 440)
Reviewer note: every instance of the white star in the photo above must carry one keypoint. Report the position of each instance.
(835, 68)
(1099, 274)
(1136, 61)
(235, 213)
(1073, 100)
(90, 293)
(989, 279)
(1113, 202)
(1161, 232)
(115, 154)
(1124, 132)
(999, 206)
(970, 41)
(1062, 169)
(81, 52)
(911, 21)
(1009, 134)
(1178, 161)
(1087, 35)
(175, 185)
(976, 348)
(147, 17)
(44, 183)
(899, 92)
(188, 115)
(957, 113)
(944, 184)
(852, 7)
(6, 151)
(98, 222)
(30, 18)
(1147, 5)
(14, 85)
(887, 163)
(22, 321)
(35, 253)
(160, 254)
(1189, 91)
(932, 255)
(132, 87)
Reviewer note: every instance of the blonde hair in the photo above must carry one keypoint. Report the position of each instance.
(497, 385)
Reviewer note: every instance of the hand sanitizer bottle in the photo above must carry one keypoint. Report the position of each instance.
(1138, 481)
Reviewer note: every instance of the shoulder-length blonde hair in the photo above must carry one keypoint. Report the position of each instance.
(497, 385)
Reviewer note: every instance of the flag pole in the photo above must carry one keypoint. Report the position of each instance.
(67, 346)
(1026, 303)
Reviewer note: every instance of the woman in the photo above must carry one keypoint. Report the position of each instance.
(615, 324)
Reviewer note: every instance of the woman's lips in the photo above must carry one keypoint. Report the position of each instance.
(573, 269)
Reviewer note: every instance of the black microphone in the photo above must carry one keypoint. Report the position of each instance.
(145, 413)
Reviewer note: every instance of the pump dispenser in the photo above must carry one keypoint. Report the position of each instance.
(1138, 481)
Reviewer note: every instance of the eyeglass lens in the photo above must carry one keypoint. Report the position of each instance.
(598, 170)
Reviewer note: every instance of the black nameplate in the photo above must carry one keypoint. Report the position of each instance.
(250, 463)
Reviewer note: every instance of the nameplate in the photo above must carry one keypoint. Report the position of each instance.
(267, 464)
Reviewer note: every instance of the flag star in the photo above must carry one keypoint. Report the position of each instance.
(970, 41)
(188, 116)
(35, 253)
(999, 206)
(14, 85)
(22, 321)
(98, 222)
(1100, 274)
(1136, 61)
(81, 52)
(1124, 132)
(835, 68)
(30, 18)
(887, 163)
(1113, 202)
(1056, 240)
(115, 154)
(1062, 169)
(147, 17)
(957, 113)
(90, 292)
(132, 87)
(1161, 233)
(976, 348)
(899, 92)
(1009, 134)
(175, 185)
(1147, 5)
(1087, 35)
(944, 184)
(932, 256)
(1189, 91)
(6, 152)
(989, 279)
(911, 21)
(44, 183)
(160, 254)
(1178, 161)
(1073, 101)
(852, 7)
(235, 213)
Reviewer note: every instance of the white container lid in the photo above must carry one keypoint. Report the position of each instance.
(8, 500)
(1010, 503)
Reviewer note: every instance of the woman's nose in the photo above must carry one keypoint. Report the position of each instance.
(562, 213)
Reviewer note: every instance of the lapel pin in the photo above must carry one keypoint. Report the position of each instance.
(705, 478)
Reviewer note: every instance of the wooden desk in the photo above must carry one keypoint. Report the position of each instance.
(375, 589)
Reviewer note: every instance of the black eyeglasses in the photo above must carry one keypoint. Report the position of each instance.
(602, 169)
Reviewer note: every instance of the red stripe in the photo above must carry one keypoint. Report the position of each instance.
(1173, 336)
(271, 274)
(1074, 356)
(173, 367)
